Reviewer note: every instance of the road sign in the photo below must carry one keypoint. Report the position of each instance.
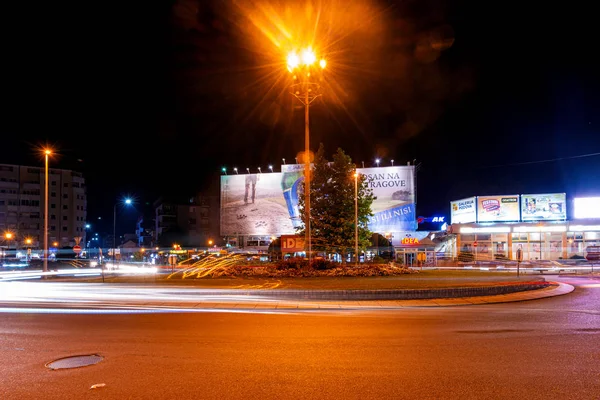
(474, 244)
(77, 249)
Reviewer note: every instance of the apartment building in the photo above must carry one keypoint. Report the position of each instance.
(22, 207)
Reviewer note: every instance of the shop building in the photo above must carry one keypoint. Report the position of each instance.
(489, 228)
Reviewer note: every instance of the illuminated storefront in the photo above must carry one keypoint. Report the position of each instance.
(537, 224)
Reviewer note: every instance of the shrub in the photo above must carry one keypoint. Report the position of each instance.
(378, 260)
(322, 264)
(292, 263)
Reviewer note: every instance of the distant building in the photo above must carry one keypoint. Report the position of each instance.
(22, 206)
(190, 223)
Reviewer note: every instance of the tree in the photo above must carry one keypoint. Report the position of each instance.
(332, 205)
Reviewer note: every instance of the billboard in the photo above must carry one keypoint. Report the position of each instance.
(394, 206)
(586, 207)
(498, 208)
(463, 211)
(267, 204)
(543, 207)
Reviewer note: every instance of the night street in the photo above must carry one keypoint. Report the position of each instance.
(542, 349)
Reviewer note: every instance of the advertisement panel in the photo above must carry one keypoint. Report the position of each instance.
(547, 207)
(463, 211)
(394, 207)
(498, 208)
(586, 207)
(267, 204)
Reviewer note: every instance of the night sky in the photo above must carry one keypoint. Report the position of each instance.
(151, 98)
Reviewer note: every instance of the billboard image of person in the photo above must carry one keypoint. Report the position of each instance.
(254, 204)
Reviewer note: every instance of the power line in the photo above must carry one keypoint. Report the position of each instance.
(543, 161)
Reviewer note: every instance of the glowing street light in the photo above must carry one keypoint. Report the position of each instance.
(47, 153)
(235, 170)
(392, 163)
(306, 91)
(224, 170)
(127, 202)
(356, 217)
(377, 160)
(210, 242)
(259, 170)
(271, 168)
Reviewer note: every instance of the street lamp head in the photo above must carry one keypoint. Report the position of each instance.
(271, 168)
(235, 170)
(128, 201)
(224, 170)
(308, 57)
(47, 152)
(377, 161)
(28, 241)
(8, 235)
(323, 63)
(292, 60)
(87, 226)
(356, 174)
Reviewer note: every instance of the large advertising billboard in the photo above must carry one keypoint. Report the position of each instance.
(394, 206)
(463, 211)
(267, 204)
(543, 207)
(498, 208)
(586, 207)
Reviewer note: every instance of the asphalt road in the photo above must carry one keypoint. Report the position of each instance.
(543, 349)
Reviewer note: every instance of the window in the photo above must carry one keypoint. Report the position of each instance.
(53, 194)
(52, 205)
(52, 228)
(64, 217)
(1, 202)
(30, 203)
(65, 184)
(53, 183)
(6, 168)
(65, 196)
(13, 203)
(65, 207)
(64, 229)
(33, 170)
(53, 217)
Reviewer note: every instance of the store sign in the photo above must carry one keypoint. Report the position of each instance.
(498, 208)
(547, 207)
(410, 241)
(586, 207)
(292, 244)
(463, 211)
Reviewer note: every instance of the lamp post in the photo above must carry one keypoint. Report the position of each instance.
(306, 92)
(356, 217)
(377, 161)
(47, 153)
(126, 202)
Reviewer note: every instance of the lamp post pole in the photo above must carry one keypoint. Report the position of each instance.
(307, 177)
(356, 217)
(47, 154)
(306, 92)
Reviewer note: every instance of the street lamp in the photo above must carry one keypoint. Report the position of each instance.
(392, 163)
(235, 170)
(306, 91)
(356, 217)
(377, 161)
(126, 202)
(210, 242)
(47, 153)
(271, 168)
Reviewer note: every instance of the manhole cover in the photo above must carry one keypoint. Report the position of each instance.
(75, 361)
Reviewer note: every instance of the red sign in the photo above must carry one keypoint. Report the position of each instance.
(77, 249)
(292, 244)
(474, 244)
(408, 240)
(593, 253)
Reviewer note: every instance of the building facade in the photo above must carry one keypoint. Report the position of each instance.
(194, 223)
(22, 207)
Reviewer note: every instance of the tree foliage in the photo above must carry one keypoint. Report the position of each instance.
(332, 205)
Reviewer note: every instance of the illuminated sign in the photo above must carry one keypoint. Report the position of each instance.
(409, 240)
(549, 207)
(268, 203)
(463, 211)
(586, 207)
(292, 244)
(498, 208)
